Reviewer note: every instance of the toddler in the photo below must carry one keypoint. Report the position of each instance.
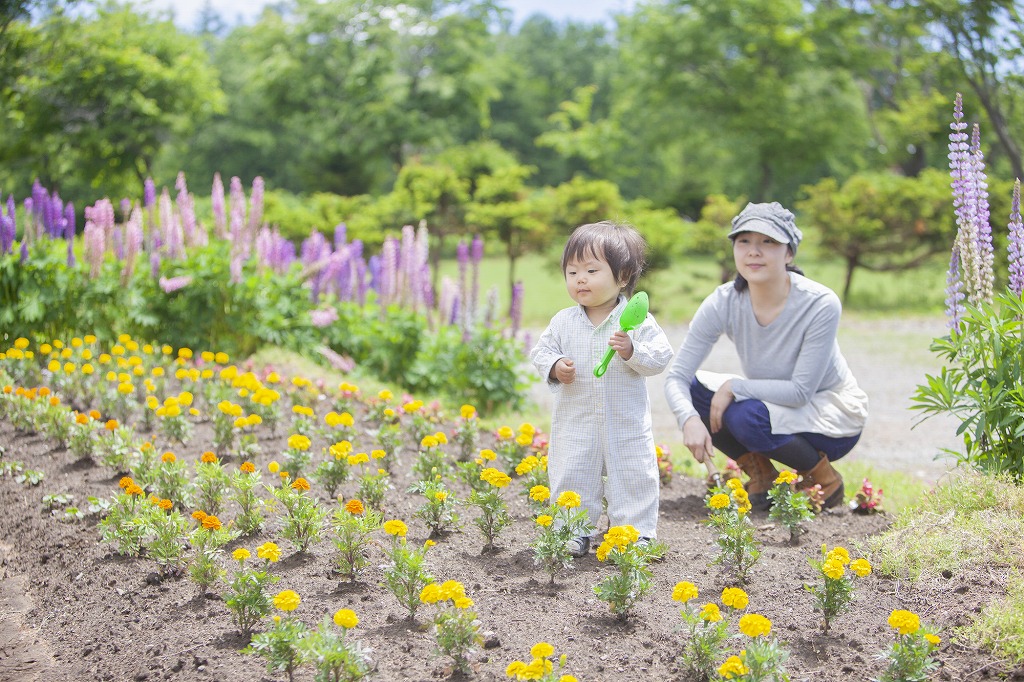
(603, 425)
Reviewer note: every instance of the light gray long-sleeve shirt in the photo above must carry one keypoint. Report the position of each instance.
(793, 364)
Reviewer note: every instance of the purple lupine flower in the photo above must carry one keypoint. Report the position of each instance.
(10, 208)
(426, 293)
(313, 248)
(448, 301)
(323, 317)
(284, 253)
(516, 307)
(362, 282)
(264, 246)
(148, 193)
(984, 233)
(172, 284)
(476, 254)
(126, 208)
(53, 217)
(1015, 246)
(134, 238)
(424, 286)
(71, 254)
(527, 343)
(375, 268)
(187, 210)
(69, 222)
(256, 205)
(24, 252)
(154, 264)
(236, 204)
(340, 236)
(407, 272)
(7, 233)
(237, 263)
(220, 222)
(117, 243)
(94, 241)
(491, 307)
(462, 257)
(954, 292)
(389, 254)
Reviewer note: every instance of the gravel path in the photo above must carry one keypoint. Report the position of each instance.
(889, 357)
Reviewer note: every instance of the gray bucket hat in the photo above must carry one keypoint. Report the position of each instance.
(772, 220)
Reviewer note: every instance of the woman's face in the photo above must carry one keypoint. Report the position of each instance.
(759, 258)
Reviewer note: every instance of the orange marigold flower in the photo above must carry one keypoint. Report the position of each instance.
(208, 457)
(165, 504)
(81, 418)
(300, 484)
(248, 467)
(111, 425)
(199, 515)
(354, 507)
(211, 522)
(168, 457)
(134, 489)
(125, 482)
(44, 391)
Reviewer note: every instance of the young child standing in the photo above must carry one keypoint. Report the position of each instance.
(603, 425)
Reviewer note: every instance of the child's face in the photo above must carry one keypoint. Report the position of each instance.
(591, 283)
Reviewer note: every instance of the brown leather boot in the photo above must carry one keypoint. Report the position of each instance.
(827, 477)
(762, 473)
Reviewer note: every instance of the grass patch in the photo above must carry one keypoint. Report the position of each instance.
(1000, 627)
(970, 521)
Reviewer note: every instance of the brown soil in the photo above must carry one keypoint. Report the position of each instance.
(71, 609)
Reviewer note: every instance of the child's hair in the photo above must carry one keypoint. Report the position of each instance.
(618, 243)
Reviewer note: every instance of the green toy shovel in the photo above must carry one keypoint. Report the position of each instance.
(633, 315)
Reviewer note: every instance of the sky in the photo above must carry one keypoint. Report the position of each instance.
(186, 11)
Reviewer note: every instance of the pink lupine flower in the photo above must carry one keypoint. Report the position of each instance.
(172, 284)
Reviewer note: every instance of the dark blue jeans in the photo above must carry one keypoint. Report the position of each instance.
(746, 427)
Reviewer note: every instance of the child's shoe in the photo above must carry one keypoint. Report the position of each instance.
(578, 547)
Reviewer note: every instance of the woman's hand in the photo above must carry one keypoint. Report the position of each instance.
(697, 439)
(622, 344)
(720, 402)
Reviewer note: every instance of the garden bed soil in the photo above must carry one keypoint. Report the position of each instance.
(72, 610)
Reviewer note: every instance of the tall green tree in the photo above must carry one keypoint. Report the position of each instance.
(94, 98)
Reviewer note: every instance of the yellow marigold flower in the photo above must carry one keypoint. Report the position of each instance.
(389, 413)
(287, 600)
(241, 423)
(254, 420)
(603, 550)
(126, 388)
(505, 433)
(441, 495)
(569, 499)
(359, 458)
(496, 477)
(429, 543)
(430, 594)
(735, 597)
(542, 650)
(208, 457)
(567, 678)
(539, 493)
(413, 406)
(833, 568)
(54, 366)
(467, 411)
(301, 382)
(839, 553)
(684, 591)
(861, 567)
(125, 482)
(462, 602)
(185, 352)
(719, 500)
(906, 622)
(269, 551)
(273, 467)
(734, 484)
(297, 441)
(69, 368)
(378, 454)
(211, 522)
(514, 669)
(544, 520)
(452, 589)
(488, 455)
(157, 372)
(221, 358)
(710, 613)
(300, 484)
(528, 464)
(934, 640)
(429, 442)
(354, 507)
(302, 410)
(206, 356)
(385, 394)
(21, 343)
(755, 625)
(396, 528)
(247, 467)
(524, 439)
(346, 618)
(733, 667)
(88, 369)
(240, 554)
(441, 437)
(785, 477)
